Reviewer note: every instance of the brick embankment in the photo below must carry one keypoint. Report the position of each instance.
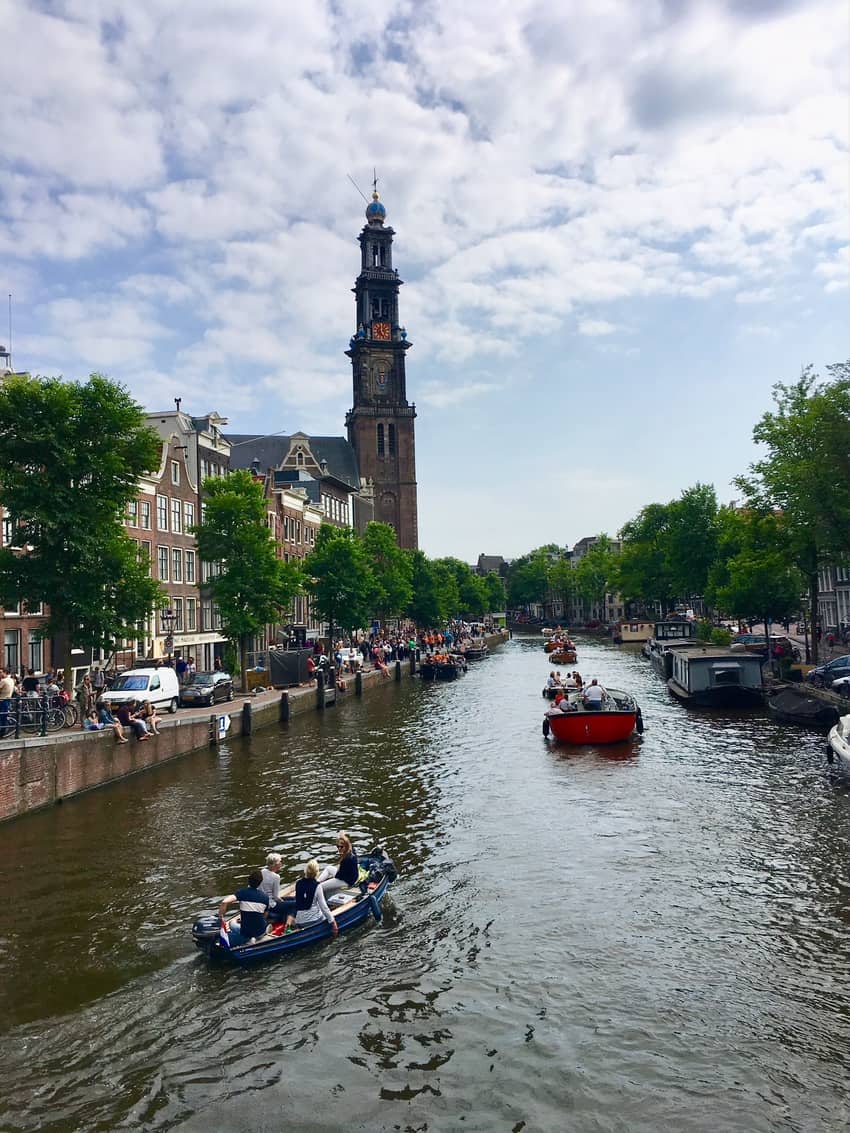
(38, 771)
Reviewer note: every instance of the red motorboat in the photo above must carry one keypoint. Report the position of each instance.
(615, 720)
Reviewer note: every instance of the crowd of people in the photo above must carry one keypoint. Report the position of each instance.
(590, 696)
(266, 909)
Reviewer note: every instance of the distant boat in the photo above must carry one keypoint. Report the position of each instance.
(633, 632)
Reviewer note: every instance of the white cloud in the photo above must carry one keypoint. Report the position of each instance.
(595, 327)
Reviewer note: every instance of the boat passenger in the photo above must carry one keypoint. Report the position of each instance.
(570, 682)
(594, 694)
(344, 875)
(252, 902)
(552, 680)
(557, 698)
(310, 903)
(577, 678)
(270, 884)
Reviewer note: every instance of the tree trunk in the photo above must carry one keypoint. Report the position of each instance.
(243, 660)
(814, 624)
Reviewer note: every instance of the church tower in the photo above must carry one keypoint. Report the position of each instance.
(380, 424)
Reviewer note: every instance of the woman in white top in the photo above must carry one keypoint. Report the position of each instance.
(310, 903)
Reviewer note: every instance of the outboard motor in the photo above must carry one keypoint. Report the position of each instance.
(205, 930)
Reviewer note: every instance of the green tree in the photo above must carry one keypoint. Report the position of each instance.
(753, 577)
(495, 589)
(339, 579)
(471, 591)
(392, 571)
(561, 580)
(71, 455)
(427, 601)
(643, 571)
(528, 577)
(804, 473)
(595, 571)
(448, 591)
(253, 587)
(690, 543)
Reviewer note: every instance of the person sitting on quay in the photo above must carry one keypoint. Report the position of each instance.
(126, 714)
(147, 713)
(105, 717)
(594, 695)
(311, 905)
(253, 904)
(344, 874)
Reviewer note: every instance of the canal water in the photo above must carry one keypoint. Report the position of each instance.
(651, 936)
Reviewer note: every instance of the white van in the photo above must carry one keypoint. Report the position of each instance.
(159, 686)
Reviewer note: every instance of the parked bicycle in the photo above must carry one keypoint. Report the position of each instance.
(28, 715)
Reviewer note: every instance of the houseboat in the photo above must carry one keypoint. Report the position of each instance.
(713, 677)
(671, 634)
(633, 632)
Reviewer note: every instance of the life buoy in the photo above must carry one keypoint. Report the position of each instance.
(639, 722)
(376, 907)
(545, 726)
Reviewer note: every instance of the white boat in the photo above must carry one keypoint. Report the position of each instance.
(838, 744)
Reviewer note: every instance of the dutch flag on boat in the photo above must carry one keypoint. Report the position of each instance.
(223, 938)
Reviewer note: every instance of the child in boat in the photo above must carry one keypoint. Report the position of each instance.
(310, 903)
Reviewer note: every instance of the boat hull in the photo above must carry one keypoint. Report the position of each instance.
(735, 696)
(792, 706)
(838, 745)
(592, 727)
(563, 657)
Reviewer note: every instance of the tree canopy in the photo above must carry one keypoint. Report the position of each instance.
(391, 571)
(71, 457)
(253, 587)
(339, 578)
(805, 472)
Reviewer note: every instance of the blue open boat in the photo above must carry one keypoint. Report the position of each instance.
(364, 902)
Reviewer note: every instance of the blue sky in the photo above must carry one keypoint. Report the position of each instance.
(619, 225)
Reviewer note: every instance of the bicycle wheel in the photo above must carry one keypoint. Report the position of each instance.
(31, 722)
(55, 719)
(71, 714)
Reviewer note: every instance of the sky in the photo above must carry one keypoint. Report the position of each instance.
(619, 225)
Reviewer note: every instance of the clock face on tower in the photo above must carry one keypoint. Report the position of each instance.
(381, 330)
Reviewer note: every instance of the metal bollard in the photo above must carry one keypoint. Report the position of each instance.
(398, 670)
(285, 707)
(412, 664)
(246, 718)
(358, 683)
(320, 690)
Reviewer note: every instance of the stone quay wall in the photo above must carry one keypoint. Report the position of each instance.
(38, 771)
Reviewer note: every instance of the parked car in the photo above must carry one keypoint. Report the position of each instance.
(159, 686)
(824, 675)
(206, 688)
(780, 645)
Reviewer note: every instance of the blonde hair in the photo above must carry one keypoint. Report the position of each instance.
(311, 869)
(347, 849)
(273, 859)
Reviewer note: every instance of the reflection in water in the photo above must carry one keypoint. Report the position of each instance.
(643, 936)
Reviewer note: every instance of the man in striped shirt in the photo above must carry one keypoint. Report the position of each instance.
(253, 903)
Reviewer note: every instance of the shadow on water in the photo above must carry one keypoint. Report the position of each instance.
(650, 935)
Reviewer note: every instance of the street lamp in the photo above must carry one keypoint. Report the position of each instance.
(169, 622)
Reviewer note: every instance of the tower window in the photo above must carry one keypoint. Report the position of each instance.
(375, 255)
(299, 458)
(391, 439)
(380, 440)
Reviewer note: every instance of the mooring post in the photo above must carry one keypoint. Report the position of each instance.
(320, 690)
(285, 708)
(412, 663)
(246, 718)
(398, 670)
(358, 683)
(213, 731)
